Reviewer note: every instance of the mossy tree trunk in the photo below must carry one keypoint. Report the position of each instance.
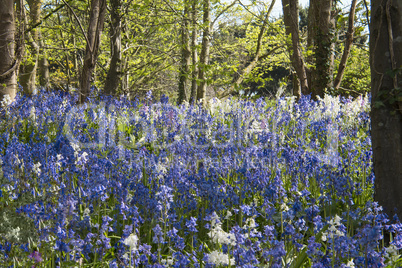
(386, 98)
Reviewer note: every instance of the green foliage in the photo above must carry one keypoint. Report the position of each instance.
(356, 79)
(150, 50)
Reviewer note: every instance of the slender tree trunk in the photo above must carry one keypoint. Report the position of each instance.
(125, 86)
(386, 100)
(348, 45)
(44, 76)
(113, 79)
(291, 20)
(185, 55)
(125, 81)
(96, 20)
(8, 79)
(194, 54)
(310, 40)
(73, 57)
(75, 60)
(66, 56)
(204, 56)
(28, 68)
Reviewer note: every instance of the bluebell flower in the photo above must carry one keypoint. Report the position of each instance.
(113, 264)
(191, 225)
(158, 234)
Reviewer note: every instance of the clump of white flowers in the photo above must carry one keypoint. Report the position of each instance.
(36, 168)
(218, 235)
(14, 233)
(284, 207)
(329, 106)
(6, 100)
(217, 106)
(59, 159)
(251, 225)
(76, 148)
(333, 230)
(391, 255)
(220, 258)
(287, 103)
(352, 109)
(228, 215)
(32, 113)
(350, 264)
(168, 261)
(131, 241)
(82, 159)
(86, 212)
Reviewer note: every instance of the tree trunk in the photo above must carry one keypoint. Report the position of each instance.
(125, 73)
(321, 29)
(28, 70)
(386, 100)
(348, 45)
(125, 81)
(291, 20)
(44, 76)
(204, 56)
(194, 54)
(113, 78)
(66, 56)
(8, 80)
(95, 27)
(75, 71)
(185, 55)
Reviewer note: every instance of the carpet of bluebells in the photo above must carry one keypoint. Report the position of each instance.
(234, 183)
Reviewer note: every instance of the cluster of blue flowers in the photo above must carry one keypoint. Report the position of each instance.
(120, 183)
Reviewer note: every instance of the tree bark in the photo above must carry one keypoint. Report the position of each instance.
(386, 100)
(185, 55)
(204, 56)
(28, 68)
(66, 56)
(44, 75)
(113, 78)
(95, 27)
(125, 76)
(291, 20)
(348, 45)
(8, 66)
(194, 52)
(322, 31)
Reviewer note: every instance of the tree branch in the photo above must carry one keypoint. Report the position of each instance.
(222, 12)
(247, 70)
(44, 18)
(348, 45)
(79, 23)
